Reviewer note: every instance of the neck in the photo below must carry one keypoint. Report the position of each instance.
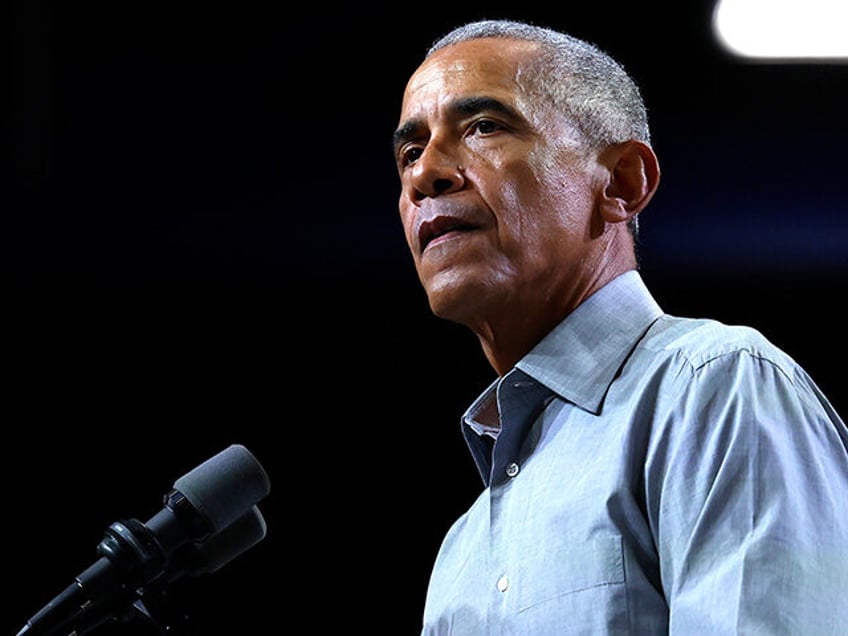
(512, 333)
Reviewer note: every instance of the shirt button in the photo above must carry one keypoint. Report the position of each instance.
(503, 583)
(512, 469)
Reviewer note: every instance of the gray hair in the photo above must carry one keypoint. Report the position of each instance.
(586, 82)
(590, 86)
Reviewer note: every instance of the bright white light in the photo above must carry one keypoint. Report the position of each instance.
(784, 29)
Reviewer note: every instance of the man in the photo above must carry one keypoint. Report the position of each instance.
(644, 473)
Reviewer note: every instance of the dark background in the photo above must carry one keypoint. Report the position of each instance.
(205, 250)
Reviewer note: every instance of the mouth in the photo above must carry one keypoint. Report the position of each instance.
(439, 228)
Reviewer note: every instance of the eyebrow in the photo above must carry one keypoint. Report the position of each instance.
(465, 106)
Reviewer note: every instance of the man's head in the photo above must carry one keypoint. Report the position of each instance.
(523, 156)
(601, 97)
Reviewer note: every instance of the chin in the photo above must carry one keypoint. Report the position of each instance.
(460, 301)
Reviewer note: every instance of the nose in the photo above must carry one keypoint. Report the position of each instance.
(435, 173)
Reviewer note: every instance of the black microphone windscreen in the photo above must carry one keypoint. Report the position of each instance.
(225, 486)
(220, 549)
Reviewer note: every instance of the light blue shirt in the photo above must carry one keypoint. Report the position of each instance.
(652, 475)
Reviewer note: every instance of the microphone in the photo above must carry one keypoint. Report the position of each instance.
(210, 555)
(209, 517)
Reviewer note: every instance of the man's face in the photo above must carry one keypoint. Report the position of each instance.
(496, 199)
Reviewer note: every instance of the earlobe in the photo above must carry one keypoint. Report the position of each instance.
(633, 175)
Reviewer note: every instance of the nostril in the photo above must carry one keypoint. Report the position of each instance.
(441, 185)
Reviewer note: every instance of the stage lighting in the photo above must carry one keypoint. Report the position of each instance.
(783, 30)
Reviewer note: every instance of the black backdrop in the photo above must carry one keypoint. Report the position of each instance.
(205, 250)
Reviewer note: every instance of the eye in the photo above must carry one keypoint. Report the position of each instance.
(485, 127)
(409, 155)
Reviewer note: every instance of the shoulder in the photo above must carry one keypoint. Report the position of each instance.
(702, 343)
(714, 371)
(701, 363)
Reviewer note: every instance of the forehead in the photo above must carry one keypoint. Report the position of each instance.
(492, 66)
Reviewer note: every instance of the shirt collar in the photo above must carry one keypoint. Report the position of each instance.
(577, 361)
(581, 356)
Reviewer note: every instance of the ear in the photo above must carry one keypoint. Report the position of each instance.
(632, 177)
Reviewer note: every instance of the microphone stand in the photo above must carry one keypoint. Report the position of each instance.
(152, 608)
(148, 606)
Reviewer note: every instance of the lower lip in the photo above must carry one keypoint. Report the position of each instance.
(444, 238)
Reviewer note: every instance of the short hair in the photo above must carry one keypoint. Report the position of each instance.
(583, 80)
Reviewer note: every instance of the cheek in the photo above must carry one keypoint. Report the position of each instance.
(565, 190)
(545, 197)
(521, 185)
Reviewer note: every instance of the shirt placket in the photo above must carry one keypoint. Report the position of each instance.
(520, 400)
